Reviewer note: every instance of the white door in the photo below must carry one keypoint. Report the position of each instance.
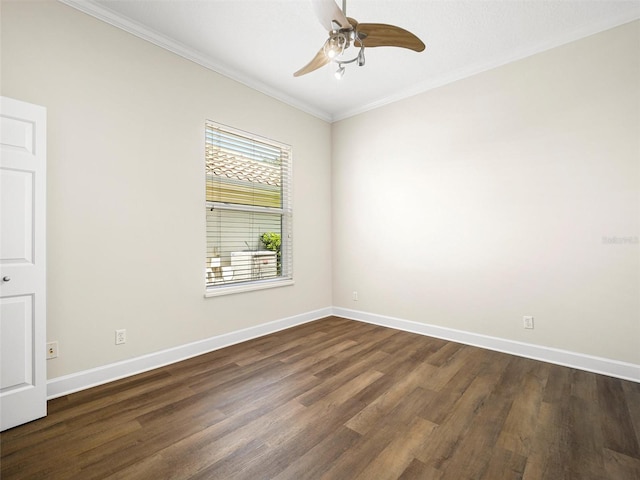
(23, 389)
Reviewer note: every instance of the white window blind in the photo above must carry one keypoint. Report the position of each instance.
(248, 209)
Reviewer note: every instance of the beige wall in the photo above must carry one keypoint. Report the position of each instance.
(466, 207)
(479, 202)
(126, 225)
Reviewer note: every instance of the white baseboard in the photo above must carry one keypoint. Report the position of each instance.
(604, 366)
(59, 386)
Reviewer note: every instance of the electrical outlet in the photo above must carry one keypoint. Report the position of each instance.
(52, 350)
(121, 336)
(354, 296)
(528, 322)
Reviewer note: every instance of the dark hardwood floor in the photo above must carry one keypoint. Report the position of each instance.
(339, 399)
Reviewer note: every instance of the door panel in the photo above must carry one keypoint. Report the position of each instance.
(23, 389)
(16, 349)
(16, 239)
(17, 134)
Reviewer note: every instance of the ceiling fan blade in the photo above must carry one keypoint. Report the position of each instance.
(382, 35)
(329, 12)
(320, 60)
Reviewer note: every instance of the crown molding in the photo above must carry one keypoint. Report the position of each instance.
(633, 14)
(112, 18)
(106, 15)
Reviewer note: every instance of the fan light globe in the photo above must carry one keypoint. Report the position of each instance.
(335, 45)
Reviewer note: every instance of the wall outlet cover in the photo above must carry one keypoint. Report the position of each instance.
(528, 322)
(121, 336)
(52, 350)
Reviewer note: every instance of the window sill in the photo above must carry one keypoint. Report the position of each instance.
(247, 287)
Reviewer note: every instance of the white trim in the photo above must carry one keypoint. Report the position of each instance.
(109, 16)
(59, 386)
(119, 21)
(604, 24)
(604, 366)
(218, 291)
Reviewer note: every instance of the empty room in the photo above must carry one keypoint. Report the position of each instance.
(320, 239)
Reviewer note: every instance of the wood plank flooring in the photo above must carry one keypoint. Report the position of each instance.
(339, 399)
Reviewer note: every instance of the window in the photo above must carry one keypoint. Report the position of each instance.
(248, 210)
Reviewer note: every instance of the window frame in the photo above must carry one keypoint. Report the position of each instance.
(285, 211)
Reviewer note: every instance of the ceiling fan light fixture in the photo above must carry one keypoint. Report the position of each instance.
(335, 45)
(345, 31)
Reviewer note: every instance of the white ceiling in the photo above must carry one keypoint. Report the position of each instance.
(262, 42)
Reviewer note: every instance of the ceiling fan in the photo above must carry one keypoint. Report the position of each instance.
(345, 31)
